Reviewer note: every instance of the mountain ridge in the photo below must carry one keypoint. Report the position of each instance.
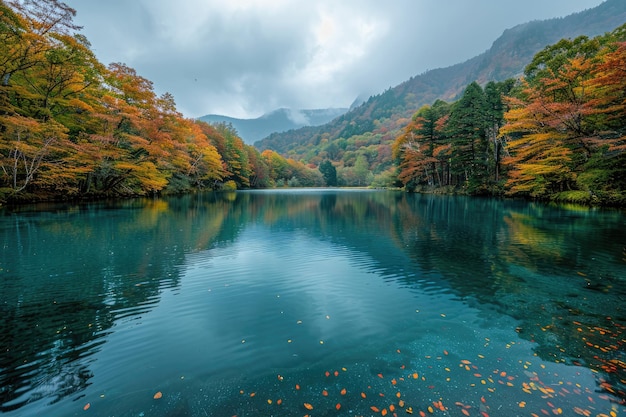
(279, 120)
(389, 111)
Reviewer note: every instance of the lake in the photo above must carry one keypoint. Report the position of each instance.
(312, 302)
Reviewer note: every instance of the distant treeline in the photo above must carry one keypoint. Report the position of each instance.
(71, 127)
(557, 133)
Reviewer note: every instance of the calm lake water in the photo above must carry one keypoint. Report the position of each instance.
(318, 302)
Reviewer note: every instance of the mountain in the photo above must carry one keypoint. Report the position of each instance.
(387, 113)
(281, 120)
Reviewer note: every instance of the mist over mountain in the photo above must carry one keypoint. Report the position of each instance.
(280, 120)
(389, 111)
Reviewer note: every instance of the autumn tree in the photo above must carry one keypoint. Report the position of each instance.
(421, 150)
(557, 130)
(235, 155)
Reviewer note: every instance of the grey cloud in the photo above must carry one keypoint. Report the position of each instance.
(247, 57)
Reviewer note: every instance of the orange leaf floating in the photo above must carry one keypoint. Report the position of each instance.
(336, 373)
(308, 406)
(465, 412)
(415, 375)
(398, 394)
(422, 414)
(86, 407)
(327, 374)
(338, 406)
(375, 409)
(392, 407)
(380, 375)
(158, 395)
(401, 403)
(297, 386)
(445, 352)
(343, 391)
(279, 401)
(252, 394)
(394, 382)
(363, 395)
(384, 412)
(325, 393)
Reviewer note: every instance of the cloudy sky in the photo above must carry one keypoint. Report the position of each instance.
(243, 58)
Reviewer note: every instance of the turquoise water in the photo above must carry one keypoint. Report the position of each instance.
(318, 302)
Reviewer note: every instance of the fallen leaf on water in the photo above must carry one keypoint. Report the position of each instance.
(415, 375)
(384, 412)
(338, 406)
(158, 395)
(465, 412)
(327, 373)
(279, 401)
(343, 391)
(398, 394)
(392, 407)
(86, 407)
(363, 395)
(394, 382)
(308, 406)
(375, 409)
(409, 410)
(401, 403)
(252, 394)
(325, 393)
(297, 386)
(336, 373)
(380, 375)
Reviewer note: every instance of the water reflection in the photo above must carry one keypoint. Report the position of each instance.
(72, 276)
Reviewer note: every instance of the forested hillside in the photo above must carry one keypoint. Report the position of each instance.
(71, 127)
(558, 133)
(366, 133)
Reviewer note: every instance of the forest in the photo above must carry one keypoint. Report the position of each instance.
(74, 128)
(558, 133)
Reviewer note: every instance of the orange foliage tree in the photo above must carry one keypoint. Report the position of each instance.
(565, 129)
